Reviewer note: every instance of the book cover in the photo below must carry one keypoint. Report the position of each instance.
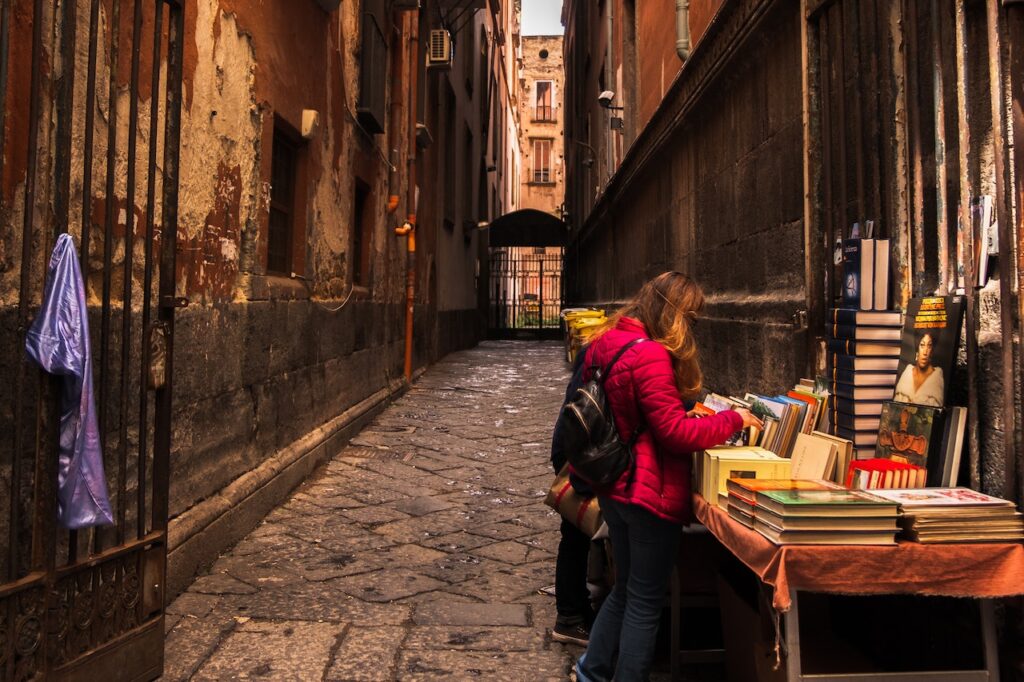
(804, 501)
(870, 318)
(854, 363)
(875, 349)
(813, 458)
(747, 488)
(858, 273)
(911, 434)
(931, 337)
(941, 497)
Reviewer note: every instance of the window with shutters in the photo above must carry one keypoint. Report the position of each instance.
(373, 59)
(541, 159)
(544, 98)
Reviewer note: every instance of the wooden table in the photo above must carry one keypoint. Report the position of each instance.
(982, 571)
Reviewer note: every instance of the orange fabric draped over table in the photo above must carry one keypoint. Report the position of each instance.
(976, 570)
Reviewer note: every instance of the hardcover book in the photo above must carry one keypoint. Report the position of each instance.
(868, 318)
(823, 537)
(931, 337)
(858, 408)
(875, 349)
(824, 503)
(851, 392)
(862, 333)
(858, 273)
(854, 363)
(746, 489)
(881, 274)
(941, 497)
(864, 378)
(911, 434)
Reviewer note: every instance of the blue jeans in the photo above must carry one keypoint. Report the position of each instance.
(644, 547)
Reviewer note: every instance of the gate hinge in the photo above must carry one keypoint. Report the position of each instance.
(173, 302)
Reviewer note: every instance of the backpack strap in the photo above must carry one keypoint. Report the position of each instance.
(603, 374)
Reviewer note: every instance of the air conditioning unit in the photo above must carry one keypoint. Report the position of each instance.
(439, 51)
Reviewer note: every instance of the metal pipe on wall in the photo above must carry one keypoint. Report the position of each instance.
(408, 230)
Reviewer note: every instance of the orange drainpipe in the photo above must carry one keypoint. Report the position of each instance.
(408, 230)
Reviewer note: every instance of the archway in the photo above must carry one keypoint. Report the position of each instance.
(525, 291)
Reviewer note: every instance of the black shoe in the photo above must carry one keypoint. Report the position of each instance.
(576, 633)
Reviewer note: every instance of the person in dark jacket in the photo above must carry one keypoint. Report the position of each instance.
(572, 596)
(646, 507)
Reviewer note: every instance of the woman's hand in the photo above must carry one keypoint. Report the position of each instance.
(748, 418)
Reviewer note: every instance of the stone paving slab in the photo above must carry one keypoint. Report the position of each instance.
(274, 651)
(416, 553)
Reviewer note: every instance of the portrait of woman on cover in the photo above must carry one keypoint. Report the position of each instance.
(922, 382)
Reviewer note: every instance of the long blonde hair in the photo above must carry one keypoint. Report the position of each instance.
(667, 306)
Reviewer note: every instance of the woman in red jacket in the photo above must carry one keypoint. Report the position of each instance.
(646, 508)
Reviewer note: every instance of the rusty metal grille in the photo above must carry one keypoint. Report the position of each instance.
(525, 291)
(90, 109)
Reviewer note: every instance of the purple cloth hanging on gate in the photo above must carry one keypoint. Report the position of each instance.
(58, 341)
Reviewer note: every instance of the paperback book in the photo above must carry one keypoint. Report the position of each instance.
(911, 434)
(928, 348)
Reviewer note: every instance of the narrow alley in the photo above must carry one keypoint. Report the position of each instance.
(417, 553)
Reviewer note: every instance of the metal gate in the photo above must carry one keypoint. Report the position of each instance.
(90, 108)
(525, 292)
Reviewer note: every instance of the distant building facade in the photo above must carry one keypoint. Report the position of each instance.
(542, 78)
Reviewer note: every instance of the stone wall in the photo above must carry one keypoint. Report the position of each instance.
(272, 369)
(722, 199)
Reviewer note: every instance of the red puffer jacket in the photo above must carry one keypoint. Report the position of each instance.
(642, 391)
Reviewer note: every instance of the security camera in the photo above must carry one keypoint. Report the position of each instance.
(605, 98)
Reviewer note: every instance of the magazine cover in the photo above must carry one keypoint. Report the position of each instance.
(906, 432)
(931, 337)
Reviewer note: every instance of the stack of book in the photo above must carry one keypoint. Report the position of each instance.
(825, 517)
(863, 344)
(863, 354)
(714, 467)
(741, 498)
(935, 515)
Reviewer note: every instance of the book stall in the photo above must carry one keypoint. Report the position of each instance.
(853, 485)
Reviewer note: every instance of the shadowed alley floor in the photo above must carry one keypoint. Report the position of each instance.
(417, 553)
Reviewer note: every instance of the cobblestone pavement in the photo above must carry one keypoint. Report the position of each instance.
(417, 553)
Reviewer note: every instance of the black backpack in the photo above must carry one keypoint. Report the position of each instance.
(587, 431)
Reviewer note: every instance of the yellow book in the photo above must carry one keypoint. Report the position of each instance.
(721, 464)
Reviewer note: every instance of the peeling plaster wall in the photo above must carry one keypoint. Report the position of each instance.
(261, 360)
